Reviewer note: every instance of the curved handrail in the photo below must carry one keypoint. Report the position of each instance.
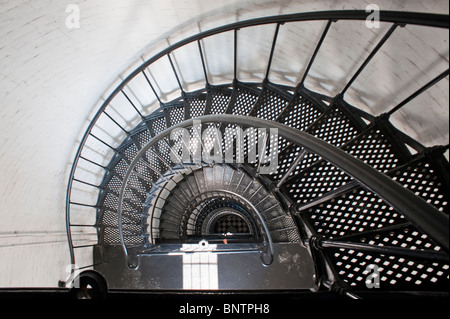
(422, 215)
(423, 19)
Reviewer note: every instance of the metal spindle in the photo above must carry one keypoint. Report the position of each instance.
(132, 104)
(418, 92)
(175, 73)
(235, 54)
(205, 72)
(272, 51)
(319, 44)
(297, 161)
(152, 88)
(95, 163)
(115, 122)
(103, 142)
(371, 55)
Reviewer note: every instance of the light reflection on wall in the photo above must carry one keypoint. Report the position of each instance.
(200, 267)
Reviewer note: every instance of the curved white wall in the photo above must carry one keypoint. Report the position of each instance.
(53, 79)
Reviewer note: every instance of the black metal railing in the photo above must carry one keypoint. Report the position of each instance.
(423, 216)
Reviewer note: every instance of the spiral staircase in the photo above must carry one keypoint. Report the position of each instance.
(258, 186)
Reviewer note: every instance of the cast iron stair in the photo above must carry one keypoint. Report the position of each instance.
(146, 200)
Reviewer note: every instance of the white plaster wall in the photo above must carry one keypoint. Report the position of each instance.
(53, 80)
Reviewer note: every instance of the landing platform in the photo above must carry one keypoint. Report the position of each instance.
(183, 269)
